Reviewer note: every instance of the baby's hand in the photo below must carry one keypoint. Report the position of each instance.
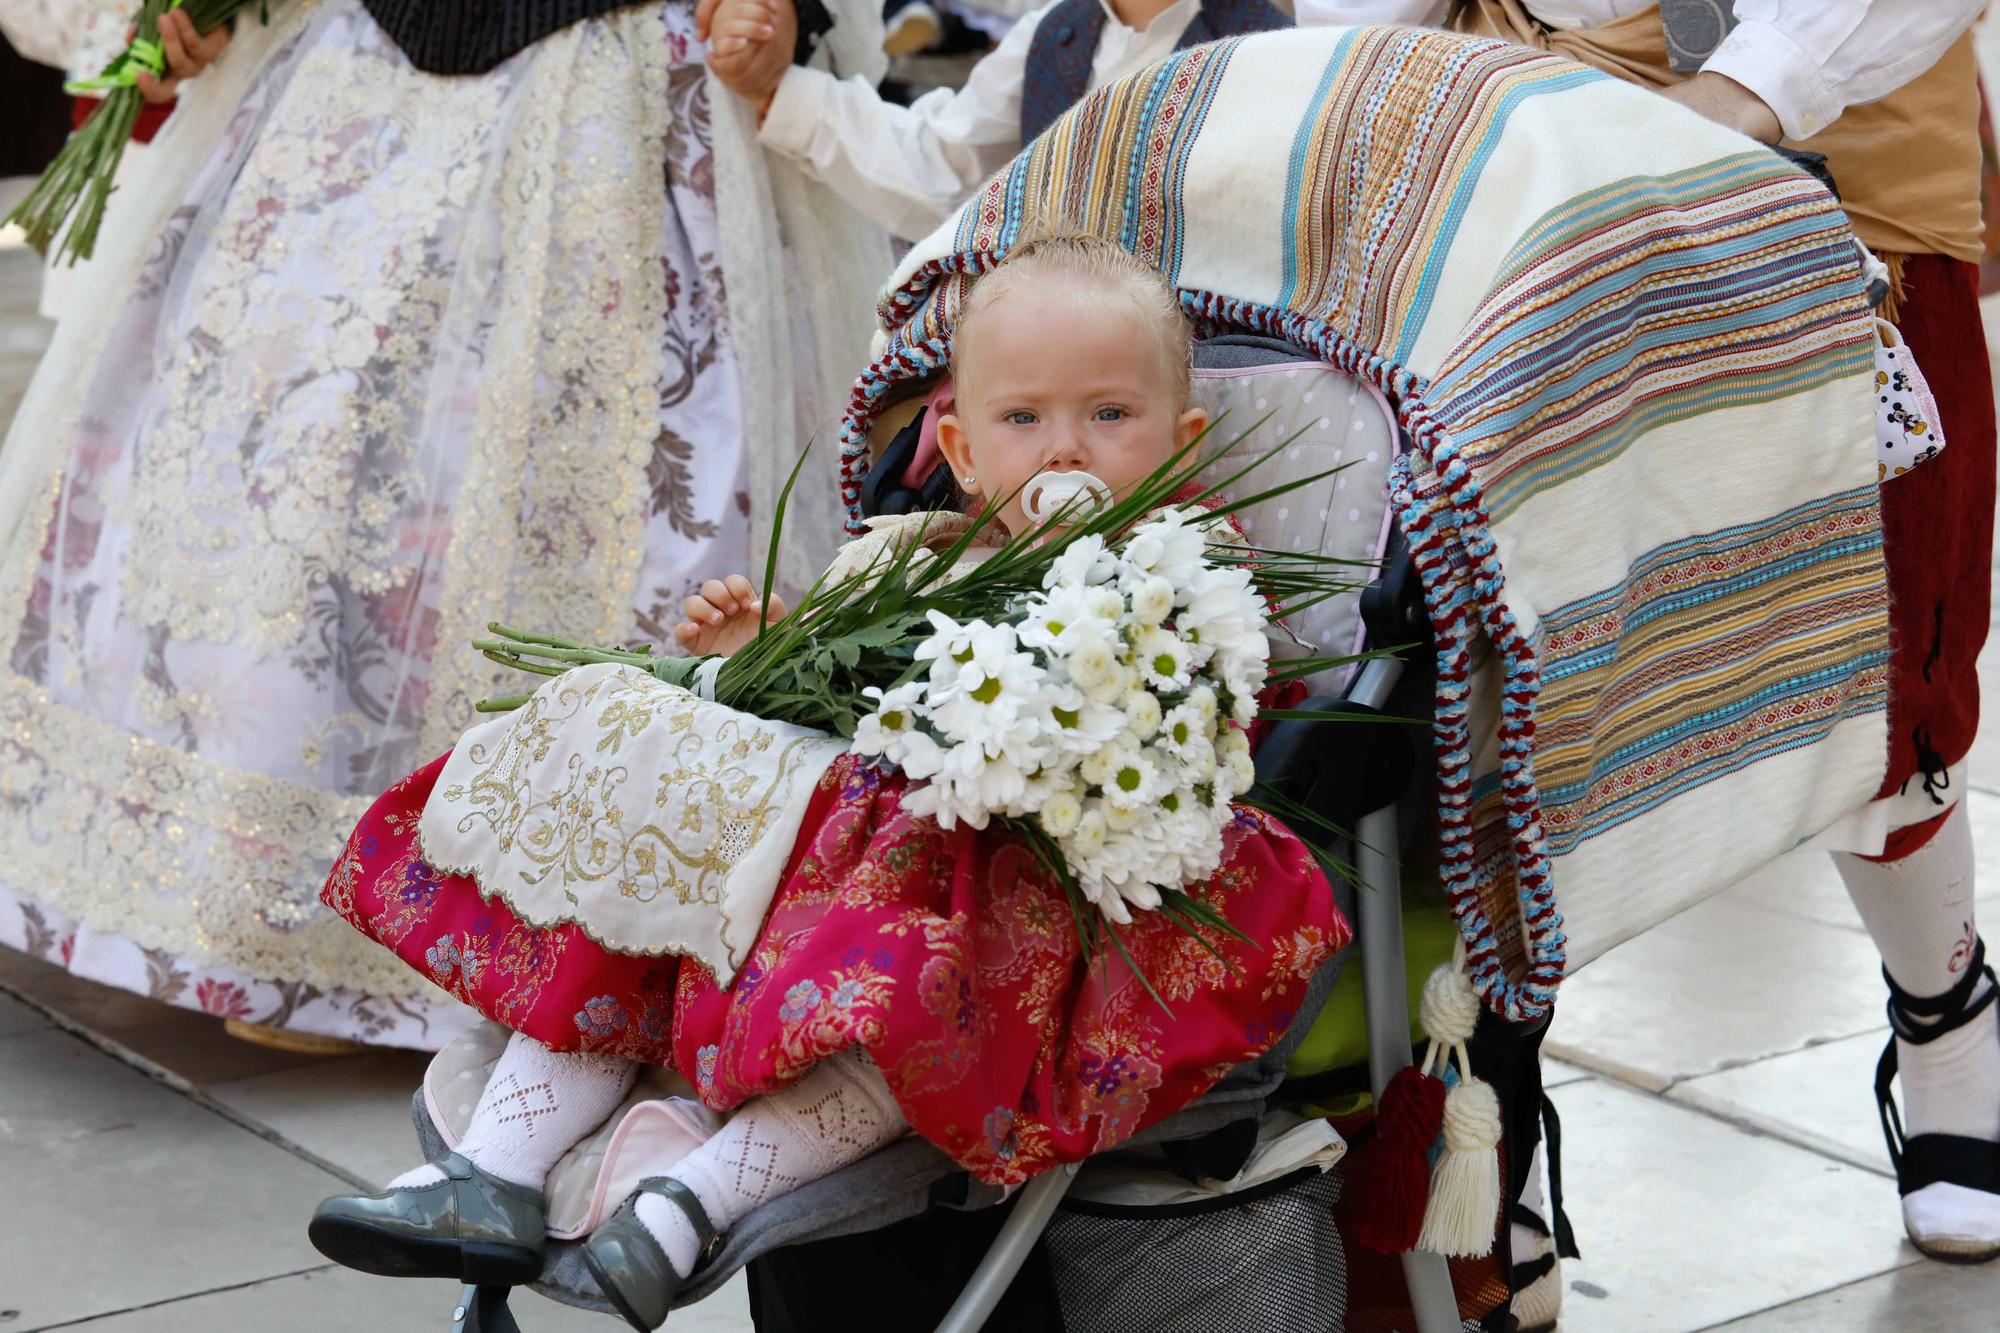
(722, 617)
(750, 45)
(188, 54)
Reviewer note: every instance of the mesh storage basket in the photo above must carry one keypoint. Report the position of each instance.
(1262, 1259)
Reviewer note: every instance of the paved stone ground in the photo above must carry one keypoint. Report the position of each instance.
(1723, 1164)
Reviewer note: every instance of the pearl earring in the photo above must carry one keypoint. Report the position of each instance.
(968, 482)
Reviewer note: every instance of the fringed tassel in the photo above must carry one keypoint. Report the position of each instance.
(1388, 1178)
(1462, 1217)
(1465, 1189)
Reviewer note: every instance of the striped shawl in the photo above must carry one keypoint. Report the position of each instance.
(1631, 354)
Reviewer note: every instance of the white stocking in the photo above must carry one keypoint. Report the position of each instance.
(841, 1111)
(537, 1106)
(1919, 913)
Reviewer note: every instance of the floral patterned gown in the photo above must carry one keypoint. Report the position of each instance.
(951, 957)
(413, 354)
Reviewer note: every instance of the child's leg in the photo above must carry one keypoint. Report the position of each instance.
(841, 1111)
(537, 1106)
(1918, 910)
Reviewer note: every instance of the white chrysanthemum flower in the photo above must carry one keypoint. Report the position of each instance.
(1162, 659)
(992, 687)
(990, 783)
(1098, 766)
(1133, 780)
(1142, 712)
(1194, 763)
(1088, 839)
(1058, 622)
(941, 801)
(1084, 563)
(1172, 546)
(1242, 702)
(1203, 701)
(1104, 603)
(1184, 731)
(947, 647)
(1239, 774)
(1076, 724)
(1152, 600)
(1142, 895)
(919, 756)
(1061, 813)
(1226, 617)
(1104, 896)
(897, 713)
(1121, 682)
(1094, 662)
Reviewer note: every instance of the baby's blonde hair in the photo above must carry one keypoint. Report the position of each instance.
(1109, 272)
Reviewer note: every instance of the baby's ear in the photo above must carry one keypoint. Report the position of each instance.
(957, 451)
(1190, 426)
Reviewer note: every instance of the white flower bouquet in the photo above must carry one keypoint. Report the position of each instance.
(1110, 710)
(1089, 682)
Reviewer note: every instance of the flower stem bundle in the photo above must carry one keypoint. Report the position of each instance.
(69, 199)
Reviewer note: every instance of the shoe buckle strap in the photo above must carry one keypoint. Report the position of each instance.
(707, 1239)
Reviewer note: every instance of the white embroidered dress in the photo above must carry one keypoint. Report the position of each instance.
(373, 358)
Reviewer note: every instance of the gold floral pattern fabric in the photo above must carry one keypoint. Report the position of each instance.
(657, 821)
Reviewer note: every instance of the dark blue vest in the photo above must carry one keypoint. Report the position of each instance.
(1065, 42)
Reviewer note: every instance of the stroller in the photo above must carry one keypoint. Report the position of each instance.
(1390, 234)
(1235, 376)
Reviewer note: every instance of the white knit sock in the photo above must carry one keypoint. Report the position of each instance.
(841, 1111)
(537, 1106)
(1919, 913)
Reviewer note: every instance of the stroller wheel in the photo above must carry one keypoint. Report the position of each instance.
(369, 1248)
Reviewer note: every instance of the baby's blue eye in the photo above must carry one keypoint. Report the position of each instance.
(1111, 414)
(1020, 418)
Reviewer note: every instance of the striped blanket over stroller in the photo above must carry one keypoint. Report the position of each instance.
(1641, 484)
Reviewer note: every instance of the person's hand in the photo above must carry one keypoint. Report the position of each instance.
(1727, 102)
(188, 54)
(750, 45)
(723, 616)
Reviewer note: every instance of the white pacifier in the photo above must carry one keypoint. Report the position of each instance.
(1072, 495)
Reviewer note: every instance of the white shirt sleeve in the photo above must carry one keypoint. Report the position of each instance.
(908, 168)
(1812, 59)
(1323, 13)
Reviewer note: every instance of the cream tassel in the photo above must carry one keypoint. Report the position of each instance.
(1465, 1186)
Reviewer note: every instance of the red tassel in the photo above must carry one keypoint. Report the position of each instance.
(1388, 1179)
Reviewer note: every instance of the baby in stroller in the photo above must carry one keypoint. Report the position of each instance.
(906, 976)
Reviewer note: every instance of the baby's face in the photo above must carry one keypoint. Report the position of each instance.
(1062, 384)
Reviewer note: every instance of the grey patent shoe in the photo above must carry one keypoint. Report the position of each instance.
(630, 1267)
(470, 1226)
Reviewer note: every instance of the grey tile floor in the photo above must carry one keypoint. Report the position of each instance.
(1721, 1156)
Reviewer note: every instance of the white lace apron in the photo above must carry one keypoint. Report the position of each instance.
(657, 821)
